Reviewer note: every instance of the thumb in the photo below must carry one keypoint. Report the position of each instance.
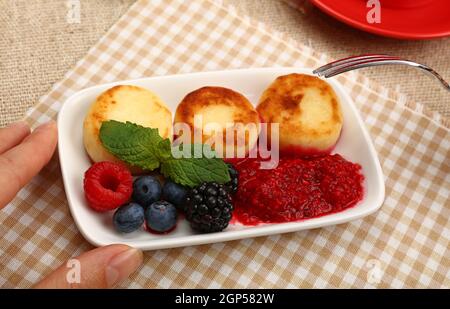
(99, 268)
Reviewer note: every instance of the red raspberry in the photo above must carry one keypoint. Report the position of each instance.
(107, 185)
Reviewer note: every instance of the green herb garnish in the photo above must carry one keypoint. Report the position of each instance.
(145, 148)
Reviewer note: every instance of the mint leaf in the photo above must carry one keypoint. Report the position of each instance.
(164, 149)
(134, 144)
(193, 171)
(144, 148)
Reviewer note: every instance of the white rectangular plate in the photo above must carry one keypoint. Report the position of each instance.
(354, 145)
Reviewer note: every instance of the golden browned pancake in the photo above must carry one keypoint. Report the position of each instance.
(307, 110)
(226, 109)
(124, 103)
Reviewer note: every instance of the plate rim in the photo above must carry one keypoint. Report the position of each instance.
(257, 231)
(341, 16)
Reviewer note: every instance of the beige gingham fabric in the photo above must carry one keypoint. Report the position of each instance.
(404, 244)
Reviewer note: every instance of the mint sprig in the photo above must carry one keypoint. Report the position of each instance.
(132, 143)
(193, 171)
(145, 148)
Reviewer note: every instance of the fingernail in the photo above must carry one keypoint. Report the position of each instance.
(46, 125)
(18, 124)
(122, 266)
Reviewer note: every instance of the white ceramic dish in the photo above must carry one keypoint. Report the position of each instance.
(354, 144)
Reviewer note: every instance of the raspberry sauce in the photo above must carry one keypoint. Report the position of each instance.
(296, 189)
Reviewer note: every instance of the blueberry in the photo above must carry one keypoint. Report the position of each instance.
(174, 193)
(146, 190)
(128, 218)
(161, 216)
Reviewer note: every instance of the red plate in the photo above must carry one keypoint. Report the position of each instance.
(403, 19)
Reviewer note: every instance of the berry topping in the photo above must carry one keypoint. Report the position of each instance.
(161, 217)
(128, 218)
(146, 190)
(107, 185)
(296, 189)
(208, 207)
(174, 193)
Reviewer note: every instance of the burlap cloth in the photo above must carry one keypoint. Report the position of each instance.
(38, 45)
(404, 244)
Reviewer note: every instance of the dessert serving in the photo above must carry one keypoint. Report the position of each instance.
(124, 103)
(306, 183)
(226, 109)
(146, 182)
(308, 111)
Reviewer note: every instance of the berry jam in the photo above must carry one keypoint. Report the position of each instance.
(296, 189)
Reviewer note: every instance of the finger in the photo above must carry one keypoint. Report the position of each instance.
(19, 164)
(100, 268)
(13, 134)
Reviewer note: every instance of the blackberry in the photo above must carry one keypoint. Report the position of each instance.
(208, 207)
(232, 185)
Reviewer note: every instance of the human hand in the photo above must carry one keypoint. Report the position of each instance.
(22, 155)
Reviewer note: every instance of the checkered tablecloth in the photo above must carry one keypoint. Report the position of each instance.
(404, 244)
